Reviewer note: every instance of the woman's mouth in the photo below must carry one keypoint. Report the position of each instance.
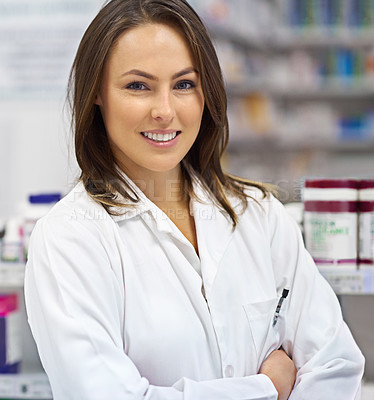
(161, 137)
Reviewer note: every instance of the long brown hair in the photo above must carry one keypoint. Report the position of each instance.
(99, 173)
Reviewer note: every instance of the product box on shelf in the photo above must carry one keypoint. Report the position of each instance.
(10, 334)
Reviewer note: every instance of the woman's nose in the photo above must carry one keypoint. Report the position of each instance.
(163, 108)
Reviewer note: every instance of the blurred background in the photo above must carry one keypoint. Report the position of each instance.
(300, 82)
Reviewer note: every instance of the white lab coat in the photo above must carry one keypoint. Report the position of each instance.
(116, 308)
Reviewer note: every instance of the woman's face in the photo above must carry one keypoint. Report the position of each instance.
(151, 100)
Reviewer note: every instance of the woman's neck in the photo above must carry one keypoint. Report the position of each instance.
(160, 187)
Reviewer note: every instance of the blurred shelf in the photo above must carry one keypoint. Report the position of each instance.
(256, 85)
(12, 275)
(272, 144)
(348, 281)
(367, 391)
(288, 39)
(222, 32)
(25, 386)
(330, 89)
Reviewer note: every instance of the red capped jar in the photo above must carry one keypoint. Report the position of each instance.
(330, 221)
(366, 222)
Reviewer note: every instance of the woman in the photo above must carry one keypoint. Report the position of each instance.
(159, 276)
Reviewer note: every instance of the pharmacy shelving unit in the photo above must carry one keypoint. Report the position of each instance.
(334, 91)
(33, 386)
(350, 281)
(31, 383)
(12, 275)
(256, 53)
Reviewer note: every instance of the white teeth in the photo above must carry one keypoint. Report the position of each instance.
(159, 137)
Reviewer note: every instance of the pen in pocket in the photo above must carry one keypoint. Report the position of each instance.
(279, 305)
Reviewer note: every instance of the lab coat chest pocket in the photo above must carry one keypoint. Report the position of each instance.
(265, 337)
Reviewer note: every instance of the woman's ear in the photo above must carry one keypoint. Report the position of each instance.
(98, 101)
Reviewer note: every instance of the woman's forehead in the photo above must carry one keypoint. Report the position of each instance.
(150, 43)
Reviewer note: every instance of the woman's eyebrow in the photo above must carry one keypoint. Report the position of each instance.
(153, 78)
(185, 71)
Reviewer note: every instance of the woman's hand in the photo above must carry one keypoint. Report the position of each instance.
(282, 372)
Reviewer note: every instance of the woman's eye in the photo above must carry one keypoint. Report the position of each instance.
(185, 85)
(136, 86)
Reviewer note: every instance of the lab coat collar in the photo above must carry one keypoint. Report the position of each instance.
(129, 208)
(201, 205)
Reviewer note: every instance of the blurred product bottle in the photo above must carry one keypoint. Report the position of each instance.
(10, 334)
(12, 243)
(38, 205)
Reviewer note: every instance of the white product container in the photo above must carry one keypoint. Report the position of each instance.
(11, 249)
(366, 223)
(330, 221)
(37, 206)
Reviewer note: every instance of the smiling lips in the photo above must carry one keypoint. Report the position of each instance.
(161, 136)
